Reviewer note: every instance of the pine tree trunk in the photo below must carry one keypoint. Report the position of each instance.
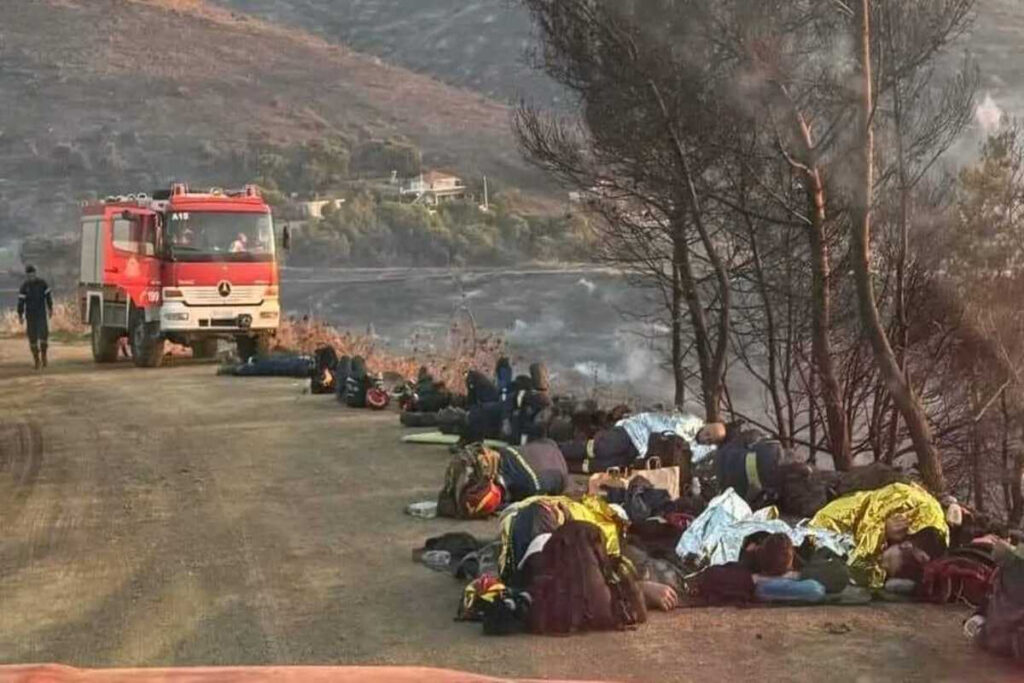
(821, 324)
(1016, 493)
(678, 371)
(977, 475)
(838, 429)
(860, 257)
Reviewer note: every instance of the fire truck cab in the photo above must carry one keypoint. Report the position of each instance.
(180, 266)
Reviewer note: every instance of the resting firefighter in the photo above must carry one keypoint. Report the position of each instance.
(35, 306)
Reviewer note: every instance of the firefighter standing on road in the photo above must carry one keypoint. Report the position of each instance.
(35, 306)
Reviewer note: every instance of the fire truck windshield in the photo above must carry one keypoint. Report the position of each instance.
(219, 236)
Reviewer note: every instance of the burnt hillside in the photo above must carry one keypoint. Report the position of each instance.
(115, 95)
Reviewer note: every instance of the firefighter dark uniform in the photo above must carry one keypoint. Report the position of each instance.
(35, 306)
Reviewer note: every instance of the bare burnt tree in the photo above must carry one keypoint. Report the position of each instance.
(784, 72)
(639, 149)
(731, 149)
(799, 60)
(918, 121)
(976, 267)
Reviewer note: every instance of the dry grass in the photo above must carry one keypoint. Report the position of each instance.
(463, 350)
(65, 322)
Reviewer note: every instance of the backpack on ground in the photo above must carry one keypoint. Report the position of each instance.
(673, 451)
(322, 381)
(469, 487)
(956, 578)
(342, 370)
(356, 384)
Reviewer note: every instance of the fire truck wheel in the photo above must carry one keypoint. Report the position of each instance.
(204, 348)
(252, 346)
(104, 339)
(146, 343)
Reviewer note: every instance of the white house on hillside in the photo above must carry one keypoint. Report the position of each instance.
(434, 187)
(315, 209)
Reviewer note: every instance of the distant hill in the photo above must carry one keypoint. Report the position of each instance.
(478, 44)
(111, 95)
(997, 41)
(114, 95)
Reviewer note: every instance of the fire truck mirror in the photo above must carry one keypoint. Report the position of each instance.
(286, 238)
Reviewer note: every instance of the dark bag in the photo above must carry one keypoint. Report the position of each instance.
(643, 501)
(483, 421)
(458, 544)
(506, 614)
(480, 389)
(673, 451)
(954, 578)
(322, 381)
(357, 384)
(342, 371)
(828, 569)
(434, 400)
(803, 490)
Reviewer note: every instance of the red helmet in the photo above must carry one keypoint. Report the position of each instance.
(484, 501)
(377, 398)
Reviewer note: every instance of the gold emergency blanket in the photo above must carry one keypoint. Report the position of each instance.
(862, 515)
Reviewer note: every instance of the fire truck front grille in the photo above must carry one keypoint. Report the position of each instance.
(224, 322)
(210, 296)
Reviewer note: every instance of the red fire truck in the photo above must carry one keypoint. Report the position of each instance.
(180, 266)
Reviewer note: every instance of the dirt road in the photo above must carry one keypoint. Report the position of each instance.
(175, 518)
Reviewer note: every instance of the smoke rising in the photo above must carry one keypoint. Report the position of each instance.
(988, 115)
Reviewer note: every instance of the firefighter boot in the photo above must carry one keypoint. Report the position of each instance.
(35, 357)
(43, 348)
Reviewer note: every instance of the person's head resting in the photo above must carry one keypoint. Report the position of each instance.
(30, 272)
(712, 433)
(906, 560)
(775, 555)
